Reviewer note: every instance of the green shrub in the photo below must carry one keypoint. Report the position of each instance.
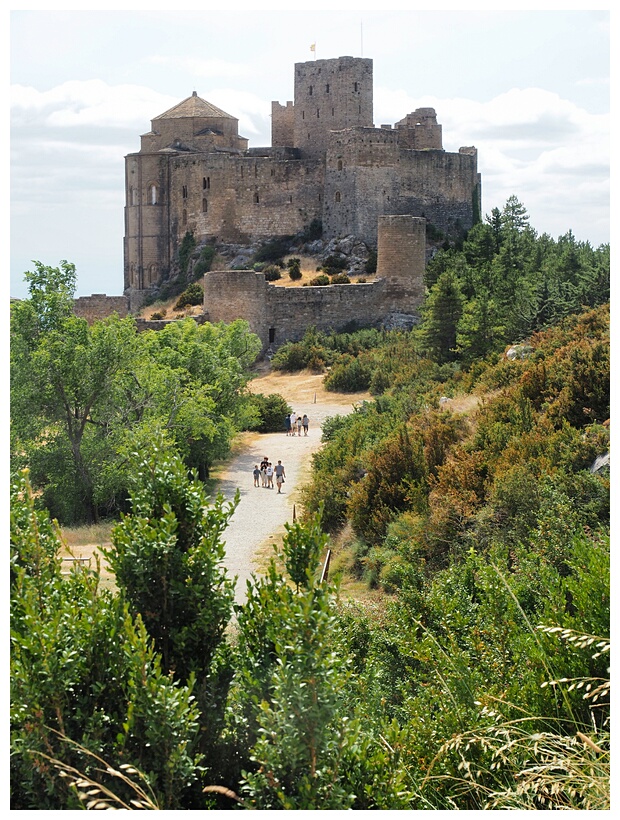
(334, 264)
(312, 231)
(341, 279)
(272, 273)
(186, 249)
(192, 295)
(371, 262)
(205, 260)
(349, 375)
(321, 279)
(294, 268)
(271, 410)
(274, 250)
(158, 315)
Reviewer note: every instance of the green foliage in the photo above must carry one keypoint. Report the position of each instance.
(205, 260)
(289, 698)
(371, 262)
(512, 282)
(83, 670)
(350, 374)
(192, 295)
(443, 309)
(294, 268)
(341, 279)
(167, 559)
(334, 264)
(186, 249)
(274, 250)
(270, 411)
(82, 395)
(312, 231)
(272, 273)
(321, 279)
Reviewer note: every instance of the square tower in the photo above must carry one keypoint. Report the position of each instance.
(330, 95)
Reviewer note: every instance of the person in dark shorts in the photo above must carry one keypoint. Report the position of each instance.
(280, 475)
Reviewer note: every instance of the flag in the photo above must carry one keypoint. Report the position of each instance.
(313, 47)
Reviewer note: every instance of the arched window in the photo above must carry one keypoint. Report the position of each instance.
(206, 183)
(204, 205)
(256, 200)
(337, 197)
(153, 194)
(185, 192)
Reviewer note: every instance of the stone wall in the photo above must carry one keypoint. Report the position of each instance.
(282, 124)
(98, 306)
(279, 314)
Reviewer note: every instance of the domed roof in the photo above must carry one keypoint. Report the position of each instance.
(194, 106)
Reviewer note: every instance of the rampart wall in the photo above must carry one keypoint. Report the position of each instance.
(278, 314)
(98, 306)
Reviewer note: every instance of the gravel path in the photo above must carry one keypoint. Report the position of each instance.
(261, 514)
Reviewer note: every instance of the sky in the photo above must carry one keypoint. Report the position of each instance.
(530, 89)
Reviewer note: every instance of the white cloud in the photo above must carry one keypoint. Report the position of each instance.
(201, 68)
(88, 103)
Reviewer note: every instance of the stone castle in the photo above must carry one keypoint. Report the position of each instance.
(327, 164)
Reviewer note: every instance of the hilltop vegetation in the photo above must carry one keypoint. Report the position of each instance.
(468, 494)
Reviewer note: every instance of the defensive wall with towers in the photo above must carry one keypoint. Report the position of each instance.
(327, 163)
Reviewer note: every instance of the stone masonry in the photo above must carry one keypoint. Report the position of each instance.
(278, 314)
(327, 162)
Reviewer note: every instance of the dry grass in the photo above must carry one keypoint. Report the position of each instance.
(86, 542)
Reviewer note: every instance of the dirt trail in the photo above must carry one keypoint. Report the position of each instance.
(261, 514)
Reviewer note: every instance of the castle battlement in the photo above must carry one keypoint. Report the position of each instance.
(327, 162)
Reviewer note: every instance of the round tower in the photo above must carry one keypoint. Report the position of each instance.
(401, 259)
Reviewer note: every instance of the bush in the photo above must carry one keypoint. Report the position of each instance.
(272, 273)
(158, 315)
(192, 295)
(312, 231)
(271, 409)
(320, 280)
(274, 250)
(294, 268)
(371, 262)
(186, 249)
(341, 279)
(205, 260)
(349, 375)
(334, 264)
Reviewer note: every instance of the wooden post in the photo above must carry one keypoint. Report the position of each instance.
(325, 572)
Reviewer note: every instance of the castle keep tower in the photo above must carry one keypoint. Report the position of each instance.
(330, 95)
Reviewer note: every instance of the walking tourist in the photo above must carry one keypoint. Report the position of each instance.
(256, 475)
(280, 475)
(305, 423)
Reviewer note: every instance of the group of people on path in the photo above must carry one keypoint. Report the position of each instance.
(266, 472)
(294, 424)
